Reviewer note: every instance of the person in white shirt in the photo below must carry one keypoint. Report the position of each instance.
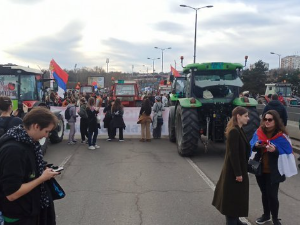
(164, 100)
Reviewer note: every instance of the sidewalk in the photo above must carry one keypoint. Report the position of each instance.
(296, 146)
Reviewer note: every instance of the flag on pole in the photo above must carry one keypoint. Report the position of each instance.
(174, 72)
(60, 76)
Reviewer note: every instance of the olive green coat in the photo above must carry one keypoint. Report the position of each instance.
(231, 198)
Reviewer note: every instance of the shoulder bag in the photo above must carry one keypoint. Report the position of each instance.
(255, 167)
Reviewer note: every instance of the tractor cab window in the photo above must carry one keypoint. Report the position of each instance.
(180, 87)
(216, 84)
(127, 89)
(28, 87)
(8, 86)
(284, 91)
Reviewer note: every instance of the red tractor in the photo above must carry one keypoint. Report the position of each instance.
(127, 91)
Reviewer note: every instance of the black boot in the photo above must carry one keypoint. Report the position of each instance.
(231, 220)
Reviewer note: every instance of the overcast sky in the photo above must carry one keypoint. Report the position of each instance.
(87, 32)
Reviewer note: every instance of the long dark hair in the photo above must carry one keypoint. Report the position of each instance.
(279, 126)
(117, 106)
(233, 120)
(146, 103)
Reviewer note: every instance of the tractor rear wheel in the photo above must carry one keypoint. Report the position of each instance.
(253, 122)
(57, 135)
(187, 130)
(171, 124)
(44, 145)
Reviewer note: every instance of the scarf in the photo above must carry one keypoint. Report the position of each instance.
(19, 134)
(286, 160)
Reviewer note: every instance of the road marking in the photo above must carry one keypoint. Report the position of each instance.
(65, 161)
(209, 182)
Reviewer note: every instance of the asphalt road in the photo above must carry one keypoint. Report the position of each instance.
(129, 183)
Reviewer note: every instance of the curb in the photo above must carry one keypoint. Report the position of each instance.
(296, 149)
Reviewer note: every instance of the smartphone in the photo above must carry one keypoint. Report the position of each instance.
(58, 169)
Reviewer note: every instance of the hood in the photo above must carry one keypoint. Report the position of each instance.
(274, 103)
(5, 138)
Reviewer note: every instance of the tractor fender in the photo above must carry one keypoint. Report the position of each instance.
(244, 101)
(186, 103)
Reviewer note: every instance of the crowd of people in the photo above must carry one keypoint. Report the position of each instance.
(24, 195)
(88, 108)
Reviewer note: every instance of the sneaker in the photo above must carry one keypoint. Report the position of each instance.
(263, 219)
(82, 142)
(97, 146)
(74, 141)
(87, 142)
(121, 140)
(108, 139)
(71, 143)
(92, 148)
(239, 222)
(276, 222)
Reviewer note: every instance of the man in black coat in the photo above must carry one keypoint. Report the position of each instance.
(276, 105)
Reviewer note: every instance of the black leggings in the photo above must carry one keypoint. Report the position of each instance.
(269, 195)
(84, 128)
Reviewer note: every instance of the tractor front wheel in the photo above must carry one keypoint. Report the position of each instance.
(187, 130)
(253, 122)
(57, 135)
(171, 124)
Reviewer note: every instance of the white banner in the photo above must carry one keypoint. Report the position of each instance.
(130, 118)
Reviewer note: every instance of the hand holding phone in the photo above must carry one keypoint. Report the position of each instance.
(59, 169)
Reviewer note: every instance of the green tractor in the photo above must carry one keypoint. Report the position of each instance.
(202, 102)
(25, 86)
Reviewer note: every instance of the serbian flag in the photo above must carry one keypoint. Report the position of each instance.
(174, 72)
(286, 159)
(60, 76)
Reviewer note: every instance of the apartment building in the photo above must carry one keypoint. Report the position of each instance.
(291, 62)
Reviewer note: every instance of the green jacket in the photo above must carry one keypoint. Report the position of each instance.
(82, 112)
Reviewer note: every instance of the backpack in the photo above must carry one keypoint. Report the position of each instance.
(4, 127)
(67, 113)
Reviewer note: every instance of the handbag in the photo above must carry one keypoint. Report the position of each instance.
(254, 167)
(55, 189)
(140, 120)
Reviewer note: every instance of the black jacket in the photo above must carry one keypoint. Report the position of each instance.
(146, 110)
(117, 119)
(17, 166)
(92, 117)
(276, 177)
(277, 106)
(108, 116)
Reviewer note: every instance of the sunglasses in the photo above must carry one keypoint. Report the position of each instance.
(268, 119)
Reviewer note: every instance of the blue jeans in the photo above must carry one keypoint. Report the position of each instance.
(95, 132)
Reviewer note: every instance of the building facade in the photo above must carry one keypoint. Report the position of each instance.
(291, 62)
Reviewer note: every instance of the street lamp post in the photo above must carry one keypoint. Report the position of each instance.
(162, 57)
(273, 53)
(195, 39)
(153, 63)
(107, 61)
(76, 72)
